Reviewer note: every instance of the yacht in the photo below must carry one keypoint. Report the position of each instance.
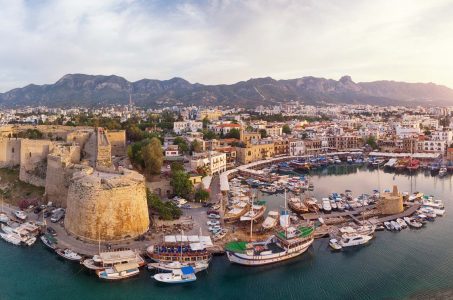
(354, 239)
(333, 243)
(68, 254)
(402, 223)
(105, 260)
(119, 271)
(183, 275)
(413, 223)
(283, 245)
(389, 226)
(395, 225)
(175, 265)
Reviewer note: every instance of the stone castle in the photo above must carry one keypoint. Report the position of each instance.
(102, 201)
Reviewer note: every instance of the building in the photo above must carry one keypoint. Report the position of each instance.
(254, 152)
(249, 137)
(210, 114)
(296, 147)
(172, 151)
(224, 129)
(187, 126)
(212, 162)
(274, 130)
(281, 147)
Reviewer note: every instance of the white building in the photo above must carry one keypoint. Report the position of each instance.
(187, 126)
(296, 147)
(404, 132)
(213, 161)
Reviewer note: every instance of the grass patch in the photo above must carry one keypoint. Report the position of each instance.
(13, 190)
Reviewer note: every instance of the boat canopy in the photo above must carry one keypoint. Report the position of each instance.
(187, 270)
(188, 239)
(117, 256)
(124, 267)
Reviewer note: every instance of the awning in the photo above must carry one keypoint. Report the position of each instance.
(125, 267)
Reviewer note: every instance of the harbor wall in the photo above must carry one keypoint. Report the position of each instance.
(112, 206)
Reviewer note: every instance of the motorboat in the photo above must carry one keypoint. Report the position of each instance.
(176, 265)
(354, 239)
(11, 238)
(389, 226)
(119, 271)
(433, 203)
(49, 241)
(69, 254)
(326, 205)
(402, 223)
(183, 275)
(333, 243)
(395, 225)
(412, 222)
(4, 218)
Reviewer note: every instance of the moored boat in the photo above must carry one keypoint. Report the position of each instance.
(354, 239)
(183, 275)
(297, 205)
(68, 254)
(271, 221)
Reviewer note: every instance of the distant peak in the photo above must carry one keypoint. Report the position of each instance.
(345, 79)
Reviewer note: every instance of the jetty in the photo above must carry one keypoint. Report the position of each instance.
(411, 210)
(357, 211)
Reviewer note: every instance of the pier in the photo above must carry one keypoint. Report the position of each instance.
(411, 210)
(314, 216)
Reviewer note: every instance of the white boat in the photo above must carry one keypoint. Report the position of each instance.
(333, 204)
(271, 220)
(183, 275)
(333, 243)
(433, 203)
(413, 223)
(20, 214)
(119, 271)
(69, 254)
(49, 241)
(354, 239)
(11, 238)
(402, 223)
(439, 212)
(4, 217)
(256, 212)
(286, 244)
(326, 205)
(176, 265)
(395, 225)
(389, 226)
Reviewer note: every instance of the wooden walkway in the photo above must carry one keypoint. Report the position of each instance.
(405, 213)
(313, 216)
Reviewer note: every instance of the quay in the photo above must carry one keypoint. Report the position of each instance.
(412, 209)
(359, 210)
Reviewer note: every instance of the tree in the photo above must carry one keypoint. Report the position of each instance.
(176, 166)
(165, 210)
(134, 133)
(181, 184)
(263, 133)
(371, 141)
(286, 129)
(182, 144)
(233, 134)
(209, 135)
(153, 157)
(201, 195)
(196, 146)
(205, 122)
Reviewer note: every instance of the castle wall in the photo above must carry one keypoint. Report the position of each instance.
(113, 206)
(33, 161)
(9, 152)
(117, 140)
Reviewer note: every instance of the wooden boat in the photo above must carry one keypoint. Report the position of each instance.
(119, 271)
(183, 275)
(297, 205)
(254, 214)
(236, 212)
(109, 259)
(49, 241)
(271, 221)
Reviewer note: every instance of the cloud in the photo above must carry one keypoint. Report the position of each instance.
(226, 41)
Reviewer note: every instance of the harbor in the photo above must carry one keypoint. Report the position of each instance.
(318, 254)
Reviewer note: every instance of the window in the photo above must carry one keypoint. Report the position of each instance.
(12, 150)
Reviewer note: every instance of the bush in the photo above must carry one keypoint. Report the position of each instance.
(201, 195)
(165, 210)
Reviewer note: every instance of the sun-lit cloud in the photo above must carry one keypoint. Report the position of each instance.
(226, 41)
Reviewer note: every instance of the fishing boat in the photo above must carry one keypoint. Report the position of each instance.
(183, 275)
(176, 265)
(354, 239)
(49, 241)
(68, 254)
(413, 165)
(26, 233)
(109, 259)
(185, 249)
(389, 226)
(271, 221)
(291, 242)
(234, 214)
(11, 238)
(297, 205)
(119, 271)
(4, 218)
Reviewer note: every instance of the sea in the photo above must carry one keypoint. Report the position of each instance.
(412, 264)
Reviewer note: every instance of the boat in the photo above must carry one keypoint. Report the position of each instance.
(354, 239)
(395, 225)
(4, 218)
(413, 165)
(108, 259)
(433, 203)
(271, 221)
(286, 244)
(333, 204)
(175, 265)
(25, 232)
(412, 223)
(389, 226)
(119, 271)
(183, 275)
(269, 189)
(297, 205)
(48, 241)
(68, 254)
(185, 249)
(255, 213)
(238, 210)
(220, 235)
(443, 171)
(11, 238)
(333, 243)
(326, 205)
(402, 223)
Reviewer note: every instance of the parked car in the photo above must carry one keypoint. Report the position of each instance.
(216, 207)
(213, 223)
(51, 231)
(213, 216)
(216, 230)
(47, 214)
(187, 206)
(212, 228)
(57, 215)
(207, 204)
(37, 210)
(212, 211)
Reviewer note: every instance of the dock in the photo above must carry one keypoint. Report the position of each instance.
(411, 210)
(352, 213)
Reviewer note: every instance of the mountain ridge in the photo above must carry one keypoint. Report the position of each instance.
(97, 90)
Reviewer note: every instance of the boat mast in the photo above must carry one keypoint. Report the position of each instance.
(251, 216)
(182, 232)
(99, 241)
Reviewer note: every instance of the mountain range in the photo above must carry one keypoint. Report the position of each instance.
(98, 90)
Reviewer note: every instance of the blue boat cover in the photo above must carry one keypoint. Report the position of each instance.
(187, 270)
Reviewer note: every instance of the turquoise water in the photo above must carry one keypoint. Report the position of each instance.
(393, 266)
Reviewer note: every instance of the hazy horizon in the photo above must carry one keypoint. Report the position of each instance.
(223, 42)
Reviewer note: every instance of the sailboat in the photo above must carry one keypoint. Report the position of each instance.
(283, 245)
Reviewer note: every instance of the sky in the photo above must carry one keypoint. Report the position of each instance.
(216, 41)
